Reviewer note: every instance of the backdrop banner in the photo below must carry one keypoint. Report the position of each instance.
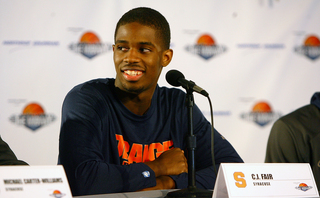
(258, 60)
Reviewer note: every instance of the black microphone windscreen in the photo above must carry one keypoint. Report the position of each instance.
(173, 76)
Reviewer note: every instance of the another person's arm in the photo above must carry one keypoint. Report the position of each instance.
(281, 144)
(7, 156)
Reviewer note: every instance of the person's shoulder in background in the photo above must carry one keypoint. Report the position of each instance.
(7, 157)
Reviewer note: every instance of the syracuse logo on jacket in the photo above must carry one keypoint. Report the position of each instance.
(141, 152)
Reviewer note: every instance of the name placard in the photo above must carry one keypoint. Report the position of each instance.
(265, 180)
(34, 181)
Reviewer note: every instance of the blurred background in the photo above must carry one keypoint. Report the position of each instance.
(258, 60)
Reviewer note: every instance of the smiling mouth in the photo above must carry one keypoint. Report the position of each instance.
(132, 75)
(133, 72)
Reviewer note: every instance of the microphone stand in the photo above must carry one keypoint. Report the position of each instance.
(192, 191)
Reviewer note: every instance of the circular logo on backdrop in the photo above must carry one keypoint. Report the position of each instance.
(33, 109)
(33, 117)
(206, 47)
(312, 41)
(89, 38)
(90, 45)
(310, 47)
(261, 114)
(261, 107)
(206, 39)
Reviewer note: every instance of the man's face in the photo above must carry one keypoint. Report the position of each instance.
(138, 58)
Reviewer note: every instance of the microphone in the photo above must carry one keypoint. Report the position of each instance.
(176, 78)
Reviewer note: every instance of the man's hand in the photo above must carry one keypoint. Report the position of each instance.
(171, 162)
(163, 182)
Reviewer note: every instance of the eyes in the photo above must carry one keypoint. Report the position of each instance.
(141, 49)
(144, 50)
(120, 48)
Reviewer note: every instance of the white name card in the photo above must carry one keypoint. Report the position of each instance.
(265, 180)
(34, 181)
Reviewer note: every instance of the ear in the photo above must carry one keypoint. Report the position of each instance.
(167, 57)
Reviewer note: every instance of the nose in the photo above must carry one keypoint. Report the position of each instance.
(132, 56)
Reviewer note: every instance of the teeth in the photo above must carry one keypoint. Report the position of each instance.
(133, 72)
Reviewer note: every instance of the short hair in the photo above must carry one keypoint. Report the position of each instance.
(148, 17)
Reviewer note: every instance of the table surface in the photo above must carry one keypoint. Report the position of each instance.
(143, 194)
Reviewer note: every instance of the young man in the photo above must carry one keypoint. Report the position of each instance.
(128, 134)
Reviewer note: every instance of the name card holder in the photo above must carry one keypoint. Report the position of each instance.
(265, 180)
(34, 181)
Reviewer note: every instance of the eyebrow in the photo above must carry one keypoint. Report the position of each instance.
(141, 43)
(146, 43)
(121, 41)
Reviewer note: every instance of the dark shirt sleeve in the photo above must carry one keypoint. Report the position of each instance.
(7, 157)
(91, 166)
(281, 146)
(223, 153)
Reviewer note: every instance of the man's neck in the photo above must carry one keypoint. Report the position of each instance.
(136, 103)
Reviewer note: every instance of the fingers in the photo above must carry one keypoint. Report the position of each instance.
(186, 166)
(171, 162)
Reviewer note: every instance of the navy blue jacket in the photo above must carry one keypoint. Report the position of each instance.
(102, 143)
